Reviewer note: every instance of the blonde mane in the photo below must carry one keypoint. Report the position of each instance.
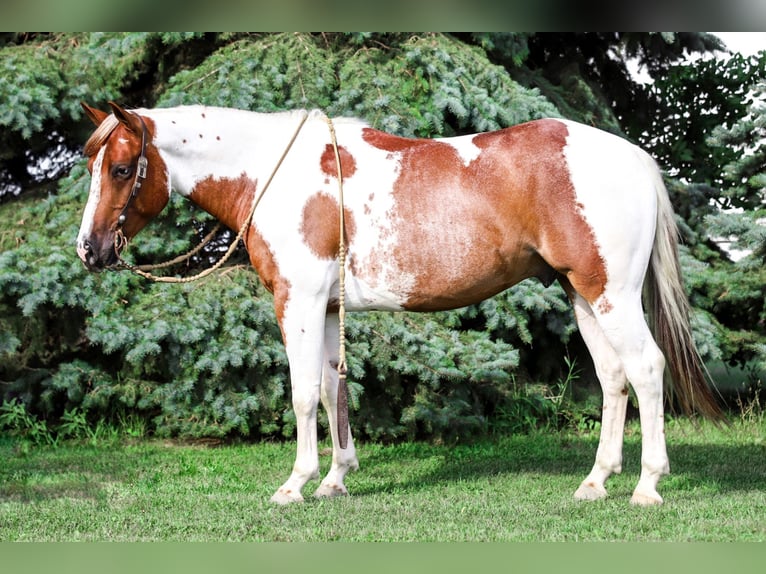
(103, 131)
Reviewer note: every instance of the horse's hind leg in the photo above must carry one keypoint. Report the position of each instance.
(614, 385)
(343, 459)
(624, 327)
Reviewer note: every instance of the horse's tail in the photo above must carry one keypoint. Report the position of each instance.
(669, 313)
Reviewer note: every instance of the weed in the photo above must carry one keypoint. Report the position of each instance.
(20, 423)
(530, 407)
(750, 407)
(132, 425)
(73, 426)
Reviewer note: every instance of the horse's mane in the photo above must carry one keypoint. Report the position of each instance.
(103, 131)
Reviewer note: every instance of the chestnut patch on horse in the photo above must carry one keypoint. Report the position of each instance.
(474, 230)
(604, 306)
(387, 142)
(228, 199)
(330, 167)
(565, 240)
(262, 258)
(123, 147)
(320, 225)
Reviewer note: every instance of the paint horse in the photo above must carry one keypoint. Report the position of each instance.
(430, 224)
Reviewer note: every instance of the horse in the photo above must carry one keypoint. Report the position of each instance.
(429, 225)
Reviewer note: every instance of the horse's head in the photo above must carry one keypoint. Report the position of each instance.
(129, 184)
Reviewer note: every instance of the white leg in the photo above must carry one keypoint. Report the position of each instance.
(654, 457)
(343, 459)
(614, 385)
(303, 328)
(625, 328)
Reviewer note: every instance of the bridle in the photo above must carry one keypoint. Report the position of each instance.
(142, 163)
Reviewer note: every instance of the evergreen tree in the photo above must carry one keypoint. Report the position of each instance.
(178, 355)
(741, 289)
(207, 359)
(707, 133)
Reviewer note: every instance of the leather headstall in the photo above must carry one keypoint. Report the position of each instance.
(141, 166)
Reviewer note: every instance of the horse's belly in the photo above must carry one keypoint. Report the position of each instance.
(454, 275)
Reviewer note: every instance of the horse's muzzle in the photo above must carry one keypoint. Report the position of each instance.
(96, 259)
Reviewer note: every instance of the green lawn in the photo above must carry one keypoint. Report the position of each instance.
(514, 489)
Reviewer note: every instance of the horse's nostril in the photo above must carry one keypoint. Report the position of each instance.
(87, 254)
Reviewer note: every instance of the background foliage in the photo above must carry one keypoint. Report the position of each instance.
(206, 359)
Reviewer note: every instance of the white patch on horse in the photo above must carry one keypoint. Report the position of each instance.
(222, 143)
(464, 146)
(597, 181)
(373, 280)
(94, 197)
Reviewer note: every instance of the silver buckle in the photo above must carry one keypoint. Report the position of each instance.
(141, 168)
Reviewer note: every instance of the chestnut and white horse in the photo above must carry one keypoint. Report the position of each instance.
(429, 225)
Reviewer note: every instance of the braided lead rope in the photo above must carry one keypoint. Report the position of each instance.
(120, 241)
(342, 402)
(185, 256)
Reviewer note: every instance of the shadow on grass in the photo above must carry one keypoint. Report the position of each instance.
(711, 467)
(86, 472)
(72, 473)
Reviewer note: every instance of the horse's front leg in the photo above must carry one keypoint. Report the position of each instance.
(303, 332)
(343, 459)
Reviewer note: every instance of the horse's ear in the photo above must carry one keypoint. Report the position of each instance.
(128, 119)
(96, 116)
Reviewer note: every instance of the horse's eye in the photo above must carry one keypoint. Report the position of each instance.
(122, 171)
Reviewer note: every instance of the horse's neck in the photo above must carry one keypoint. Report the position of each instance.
(218, 157)
(198, 142)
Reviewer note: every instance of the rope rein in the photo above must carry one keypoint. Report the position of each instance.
(185, 256)
(120, 242)
(342, 404)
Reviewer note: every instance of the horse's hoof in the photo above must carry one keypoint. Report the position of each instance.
(590, 491)
(286, 497)
(646, 498)
(330, 491)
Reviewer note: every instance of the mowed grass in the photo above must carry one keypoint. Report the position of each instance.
(516, 488)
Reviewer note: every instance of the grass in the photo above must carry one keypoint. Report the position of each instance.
(517, 488)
